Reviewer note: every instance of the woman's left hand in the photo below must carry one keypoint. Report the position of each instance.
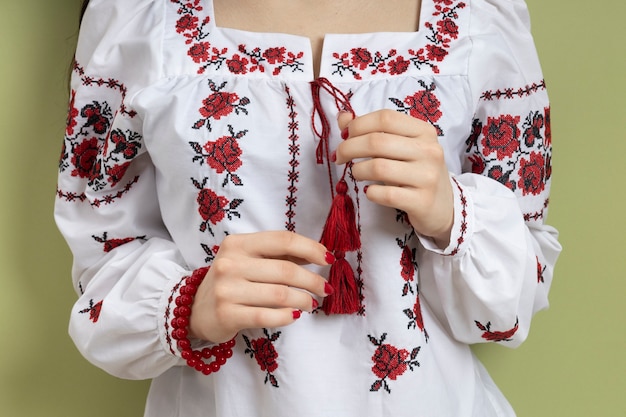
(403, 158)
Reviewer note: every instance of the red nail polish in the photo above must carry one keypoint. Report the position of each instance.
(365, 189)
(345, 134)
(315, 304)
(330, 258)
(333, 156)
(328, 289)
(296, 314)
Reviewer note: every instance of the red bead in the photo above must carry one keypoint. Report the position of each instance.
(206, 353)
(186, 354)
(214, 366)
(192, 363)
(228, 353)
(184, 344)
(221, 360)
(183, 322)
(207, 370)
(231, 343)
(183, 311)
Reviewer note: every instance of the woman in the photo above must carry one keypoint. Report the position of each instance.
(202, 163)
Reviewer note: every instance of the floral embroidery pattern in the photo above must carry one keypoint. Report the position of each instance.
(220, 104)
(293, 175)
(390, 362)
(91, 150)
(93, 310)
(265, 353)
(213, 208)
(245, 60)
(360, 61)
(110, 244)
(222, 155)
(423, 105)
(502, 156)
(497, 336)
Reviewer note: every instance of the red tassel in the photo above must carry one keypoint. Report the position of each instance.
(340, 231)
(345, 299)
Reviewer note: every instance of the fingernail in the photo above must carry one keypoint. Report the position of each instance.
(333, 156)
(345, 133)
(296, 314)
(328, 289)
(315, 304)
(330, 258)
(365, 189)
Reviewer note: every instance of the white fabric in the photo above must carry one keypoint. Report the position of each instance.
(137, 95)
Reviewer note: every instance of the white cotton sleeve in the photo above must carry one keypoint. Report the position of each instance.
(126, 268)
(496, 272)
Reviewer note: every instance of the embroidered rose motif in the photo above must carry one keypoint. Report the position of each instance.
(501, 135)
(406, 262)
(128, 146)
(223, 155)
(447, 27)
(398, 66)
(497, 336)
(361, 57)
(213, 208)
(93, 310)
(220, 104)
(390, 362)
(435, 53)
(532, 173)
(199, 52)
(186, 23)
(274, 55)
(265, 354)
(423, 105)
(85, 159)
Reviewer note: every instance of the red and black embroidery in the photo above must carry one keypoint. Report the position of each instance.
(110, 244)
(512, 93)
(293, 176)
(212, 207)
(423, 105)
(222, 155)
(390, 362)
(361, 61)
(541, 269)
(91, 150)
(96, 202)
(265, 353)
(168, 313)
(359, 252)
(463, 226)
(497, 336)
(515, 153)
(94, 310)
(210, 252)
(196, 33)
(220, 104)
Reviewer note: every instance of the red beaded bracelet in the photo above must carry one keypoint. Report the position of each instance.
(180, 324)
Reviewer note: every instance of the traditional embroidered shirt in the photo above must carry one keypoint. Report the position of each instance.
(181, 132)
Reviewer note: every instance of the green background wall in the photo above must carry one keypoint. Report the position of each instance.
(572, 365)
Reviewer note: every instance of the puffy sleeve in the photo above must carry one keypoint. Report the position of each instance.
(126, 266)
(497, 270)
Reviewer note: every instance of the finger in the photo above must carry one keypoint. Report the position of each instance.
(269, 271)
(344, 118)
(259, 317)
(276, 296)
(378, 145)
(387, 171)
(388, 121)
(401, 198)
(278, 244)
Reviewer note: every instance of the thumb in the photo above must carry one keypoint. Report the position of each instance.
(343, 119)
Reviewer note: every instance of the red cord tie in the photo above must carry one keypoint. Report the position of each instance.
(180, 323)
(341, 233)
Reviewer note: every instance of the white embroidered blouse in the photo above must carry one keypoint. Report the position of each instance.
(181, 132)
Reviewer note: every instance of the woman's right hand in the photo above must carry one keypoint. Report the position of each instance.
(257, 280)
